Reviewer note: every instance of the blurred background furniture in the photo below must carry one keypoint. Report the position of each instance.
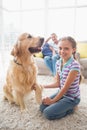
(81, 55)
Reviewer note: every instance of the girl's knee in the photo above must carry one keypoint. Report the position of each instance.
(48, 115)
(45, 112)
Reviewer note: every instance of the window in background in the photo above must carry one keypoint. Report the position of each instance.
(42, 17)
(32, 16)
(11, 28)
(11, 5)
(32, 4)
(61, 3)
(81, 23)
(34, 22)
(61, 21)
(82, 2)
(22, 16)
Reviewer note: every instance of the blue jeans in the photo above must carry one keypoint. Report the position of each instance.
(51, 62)
(59, 109)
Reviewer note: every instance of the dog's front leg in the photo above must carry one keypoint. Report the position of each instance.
(20, 100)
(38, 93)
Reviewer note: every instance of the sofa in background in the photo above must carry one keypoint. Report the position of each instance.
(82, 50)
(82, 54)
(83, 62)
(42, 68)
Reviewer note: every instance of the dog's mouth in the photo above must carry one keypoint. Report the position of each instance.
(34, 49)
(37, 48)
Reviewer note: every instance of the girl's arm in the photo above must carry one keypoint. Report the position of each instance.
(71, 77)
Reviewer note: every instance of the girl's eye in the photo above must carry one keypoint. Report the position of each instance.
(66, 48)
(60, 48)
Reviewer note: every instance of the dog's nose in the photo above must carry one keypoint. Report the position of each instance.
(42, 40)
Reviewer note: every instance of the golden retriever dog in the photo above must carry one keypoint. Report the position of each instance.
(21, 76)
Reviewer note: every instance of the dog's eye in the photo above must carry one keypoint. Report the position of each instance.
(29, 36)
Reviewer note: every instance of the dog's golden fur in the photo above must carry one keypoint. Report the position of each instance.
(22, 73)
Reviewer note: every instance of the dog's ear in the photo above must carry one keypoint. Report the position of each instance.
(23, 36)
(16, 51)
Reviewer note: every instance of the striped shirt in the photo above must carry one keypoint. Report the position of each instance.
(74, 90)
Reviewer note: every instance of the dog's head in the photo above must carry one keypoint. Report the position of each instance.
(27, 43)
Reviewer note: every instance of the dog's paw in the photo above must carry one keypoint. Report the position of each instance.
(11, 102)
(41, 87)
(4, 98)
(24, 110)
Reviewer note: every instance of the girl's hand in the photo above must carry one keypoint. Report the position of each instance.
(47, 101)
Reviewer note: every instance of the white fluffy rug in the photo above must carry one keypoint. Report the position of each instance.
(12, 119)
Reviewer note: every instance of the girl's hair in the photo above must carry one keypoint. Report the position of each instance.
(72, 41)
(73, 44)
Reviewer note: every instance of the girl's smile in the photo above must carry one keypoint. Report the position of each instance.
(65, 50)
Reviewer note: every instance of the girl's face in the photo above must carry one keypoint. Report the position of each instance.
(65, 49)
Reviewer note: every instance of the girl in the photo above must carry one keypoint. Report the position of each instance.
(68, 75)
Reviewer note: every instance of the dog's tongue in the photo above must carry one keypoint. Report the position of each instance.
(34, 49)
